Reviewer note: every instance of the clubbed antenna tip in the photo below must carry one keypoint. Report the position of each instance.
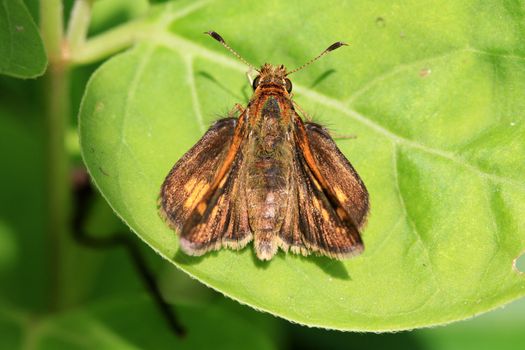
(335, 46)
(219, 38)
(330, 48)
(215, 36)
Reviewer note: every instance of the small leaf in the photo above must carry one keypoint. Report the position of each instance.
(22, 53)
(436, 101)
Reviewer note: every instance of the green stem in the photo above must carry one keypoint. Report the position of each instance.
(110, 42)
(58, 179)
(63, 53)
(56, 90)
(51, 27)
(79, 24)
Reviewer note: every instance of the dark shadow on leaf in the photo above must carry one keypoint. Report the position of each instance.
(185, 259)
(322, 77)
(334, 268)
(260, 264)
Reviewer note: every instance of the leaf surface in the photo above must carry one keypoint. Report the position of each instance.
(435, 99)
(22, 52)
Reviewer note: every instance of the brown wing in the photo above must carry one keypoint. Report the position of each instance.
(317, 220)
(193, 174)
(203, 178)
(223, 219)
(346, 184)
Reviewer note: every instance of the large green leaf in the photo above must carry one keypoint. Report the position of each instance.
(501, 329)
(22, 53)
(434, 93)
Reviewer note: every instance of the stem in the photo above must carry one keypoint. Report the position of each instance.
(51, 24)
(63, 53)
(79, 24)
(110, 42)
(56, 90)
(59, 198)
(83, 198)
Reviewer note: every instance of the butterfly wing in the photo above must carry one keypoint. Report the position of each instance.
(222, 219)
(191, 176)
(199, 196)
(321, 218)
(347, 186)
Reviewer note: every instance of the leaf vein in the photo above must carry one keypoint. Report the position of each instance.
(194, 96)
(398, 69)
(135, 80)
(409, 219)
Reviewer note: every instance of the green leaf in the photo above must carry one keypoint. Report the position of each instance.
(501, 329)
(434, 93)
(120, 324)
(108, 14)
(22, 53)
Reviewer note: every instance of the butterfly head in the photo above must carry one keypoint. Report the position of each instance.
(272, 77)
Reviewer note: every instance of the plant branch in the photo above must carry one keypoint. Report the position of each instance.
(79, 24)
(51, 27)
(110, 42)
(56, 94)
(83, 197)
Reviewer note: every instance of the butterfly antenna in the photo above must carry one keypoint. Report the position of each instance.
(219, 38)
(328, 49)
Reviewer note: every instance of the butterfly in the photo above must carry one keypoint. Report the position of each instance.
(265, 175)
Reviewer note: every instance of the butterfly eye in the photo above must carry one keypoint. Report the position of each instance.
(256, 82)
(288, 85)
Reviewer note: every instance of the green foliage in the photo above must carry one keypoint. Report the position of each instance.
(21, 225)
(109, 307)
(107, 325)
(435, 100)
(22, 53)
(432, 91)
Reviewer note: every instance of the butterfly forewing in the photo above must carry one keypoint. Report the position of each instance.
(191, 177)
(224, 221)
(345, 183)
(201, 195)
(316, 220)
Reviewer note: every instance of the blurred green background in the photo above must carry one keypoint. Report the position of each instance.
(108, 307)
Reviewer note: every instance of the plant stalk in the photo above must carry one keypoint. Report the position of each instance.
(79, 24)
(56, 103)
(110, 42)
